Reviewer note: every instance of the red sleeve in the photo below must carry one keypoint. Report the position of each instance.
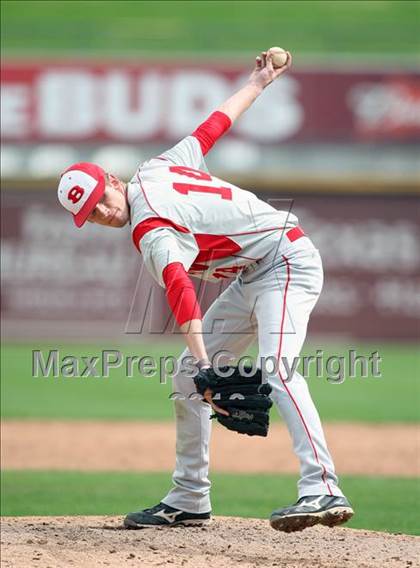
(211, 130)
(180, 293)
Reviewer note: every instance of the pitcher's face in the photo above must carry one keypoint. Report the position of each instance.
(112, 210)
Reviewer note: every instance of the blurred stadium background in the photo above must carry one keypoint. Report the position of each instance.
(117, 82)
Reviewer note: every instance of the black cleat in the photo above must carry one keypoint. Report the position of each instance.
(311, 510)
(162, 515)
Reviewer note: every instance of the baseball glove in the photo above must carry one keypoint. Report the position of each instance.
(240, 403)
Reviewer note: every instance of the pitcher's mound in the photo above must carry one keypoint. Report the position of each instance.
(225, 543)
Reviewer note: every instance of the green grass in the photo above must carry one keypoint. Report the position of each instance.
(381, 503)
(115, 398)
(386, 28)
(393, 398)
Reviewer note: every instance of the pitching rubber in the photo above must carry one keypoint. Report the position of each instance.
(298, 522)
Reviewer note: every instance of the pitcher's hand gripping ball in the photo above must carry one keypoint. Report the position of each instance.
(241, 403)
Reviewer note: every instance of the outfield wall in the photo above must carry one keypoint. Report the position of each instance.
(57, 279)
(312, 122)
(339, 147)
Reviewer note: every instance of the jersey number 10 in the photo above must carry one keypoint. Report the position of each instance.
(185, 188)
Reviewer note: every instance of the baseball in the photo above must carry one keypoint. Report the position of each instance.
(279, 57)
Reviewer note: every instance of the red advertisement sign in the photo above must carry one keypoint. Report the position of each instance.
(124, 102)
(56, 278)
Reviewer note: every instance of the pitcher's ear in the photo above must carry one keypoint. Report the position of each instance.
(113, 180)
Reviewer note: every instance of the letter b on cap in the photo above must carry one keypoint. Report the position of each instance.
(75, 194)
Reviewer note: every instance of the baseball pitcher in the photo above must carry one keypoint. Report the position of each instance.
(186, 222)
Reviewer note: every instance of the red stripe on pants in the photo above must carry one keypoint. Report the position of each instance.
(324, 472)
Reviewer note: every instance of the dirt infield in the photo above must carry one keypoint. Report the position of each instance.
(227, 542)
(359, 449)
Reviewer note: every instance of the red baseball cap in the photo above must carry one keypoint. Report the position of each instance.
(81, 186)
